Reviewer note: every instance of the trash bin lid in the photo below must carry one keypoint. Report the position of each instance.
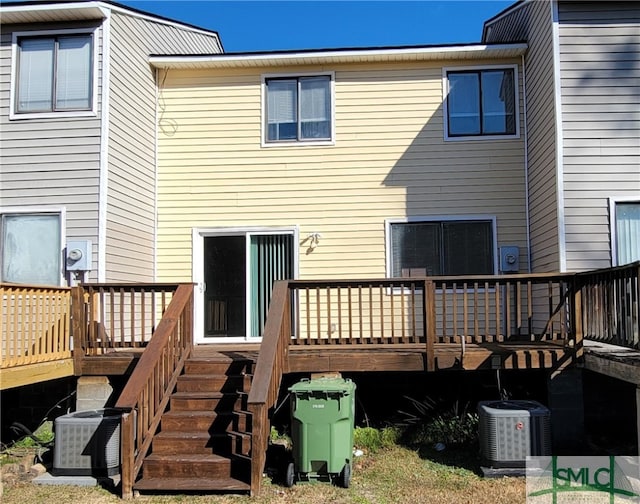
(342, 385)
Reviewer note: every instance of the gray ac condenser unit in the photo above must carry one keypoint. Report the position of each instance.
(510, 431)
(87, 443)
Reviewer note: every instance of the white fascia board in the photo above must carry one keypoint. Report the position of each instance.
(444, 52)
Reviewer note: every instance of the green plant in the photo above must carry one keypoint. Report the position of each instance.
(431, 424)
(275, 437)
(372, 440)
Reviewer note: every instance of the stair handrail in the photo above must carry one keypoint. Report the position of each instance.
(272, 363)
(147, 392)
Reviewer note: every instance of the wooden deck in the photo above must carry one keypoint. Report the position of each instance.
(407, 357)
(351, 358)
(383, 325)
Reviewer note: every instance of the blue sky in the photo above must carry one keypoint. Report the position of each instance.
(281, 25)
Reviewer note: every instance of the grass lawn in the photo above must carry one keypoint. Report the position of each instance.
(390, 475)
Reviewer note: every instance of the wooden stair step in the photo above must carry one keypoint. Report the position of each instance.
(191, 484)
(184, 465)
(208, 400)
(209, 421)
(213, 383)
(204, 365)
(181, 442)
(223, 443)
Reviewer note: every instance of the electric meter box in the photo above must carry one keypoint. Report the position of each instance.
(79, 255)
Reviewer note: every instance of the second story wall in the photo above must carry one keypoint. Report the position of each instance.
(47, 162)
(531, 21)
(130, 234)
(388, 160)
(600, 75)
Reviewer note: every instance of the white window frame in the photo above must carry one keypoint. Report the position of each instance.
(447, 218)
(296, 143)
(480, 68)
(61, 212)
(13, 109)
(198, 234)
(613, 218)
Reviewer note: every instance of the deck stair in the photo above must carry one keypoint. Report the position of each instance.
(204, 440)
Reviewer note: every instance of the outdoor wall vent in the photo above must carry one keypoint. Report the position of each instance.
(510, 431)
(87, 443)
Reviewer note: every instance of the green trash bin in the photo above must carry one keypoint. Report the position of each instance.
(322, 419)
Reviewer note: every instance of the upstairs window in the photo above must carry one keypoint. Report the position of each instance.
(481, 103)
(54, 73)
(298, 109)
(434, 248)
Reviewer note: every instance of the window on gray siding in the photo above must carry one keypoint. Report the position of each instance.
(628, 232)
(298, 109)
(31, 248)
(54, 73)
(481, 102)
(442, 248)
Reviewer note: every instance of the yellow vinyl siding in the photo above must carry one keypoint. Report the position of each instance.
(389, 160)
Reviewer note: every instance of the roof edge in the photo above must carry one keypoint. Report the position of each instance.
(504, 12)
(39, 5)
(270, 57)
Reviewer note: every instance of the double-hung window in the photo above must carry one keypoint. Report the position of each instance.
(298, 109)
(54, 73)
(31, 248)
(481, 102)
(447, 247)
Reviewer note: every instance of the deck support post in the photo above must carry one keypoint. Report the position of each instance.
(566, 402)
(127, 447)
(638, 416)
(578, 332)
(77, 327)
(429, 311)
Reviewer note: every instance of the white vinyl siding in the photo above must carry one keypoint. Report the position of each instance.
(51, 161)
(600, 71)
(390, 160)
(131, 216)
(532, 22)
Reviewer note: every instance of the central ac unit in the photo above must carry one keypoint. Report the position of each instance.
(512, 430)
(87, 443)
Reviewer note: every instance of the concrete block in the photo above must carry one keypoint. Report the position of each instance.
(93, 392)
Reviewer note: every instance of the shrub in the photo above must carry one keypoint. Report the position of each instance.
(372, 440)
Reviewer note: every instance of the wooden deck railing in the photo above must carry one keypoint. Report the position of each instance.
(429, 311)
(265, 386)
(34, 324)
(112, 317)
(611, 305)
(146, 395)
(455, 310)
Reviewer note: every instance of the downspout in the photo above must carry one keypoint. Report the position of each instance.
(104, 147)
(526, 165)
(562, 245)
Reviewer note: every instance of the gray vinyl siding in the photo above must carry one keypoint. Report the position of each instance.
(51, 162)
(600, 76)
(130, 237)
(532, 22)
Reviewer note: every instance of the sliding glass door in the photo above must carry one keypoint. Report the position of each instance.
(239, 271)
